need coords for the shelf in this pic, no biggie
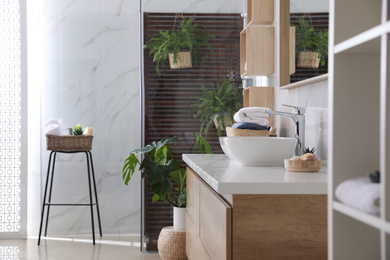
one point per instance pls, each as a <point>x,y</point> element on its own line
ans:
<point>353,239</point>
<point>363,39</point>
<point>366,218</point>
<point>260,12</point>
<point>354,17</point>
<point>306,82</point>
<point>259,51</point>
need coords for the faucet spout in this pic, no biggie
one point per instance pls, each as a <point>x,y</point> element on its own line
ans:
<point>299,122</point>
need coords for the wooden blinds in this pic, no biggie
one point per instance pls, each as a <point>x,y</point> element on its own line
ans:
<point>168,96</point>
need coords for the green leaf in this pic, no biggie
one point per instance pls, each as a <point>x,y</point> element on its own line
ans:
<point>162,188</point>
<point>203,145</point>
<point>129,168</point>
<point>155,198</point>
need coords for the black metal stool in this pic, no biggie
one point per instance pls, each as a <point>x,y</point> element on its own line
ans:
<point>48,203</point>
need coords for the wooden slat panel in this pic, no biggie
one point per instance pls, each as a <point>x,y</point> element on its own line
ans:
<point>167,96</point>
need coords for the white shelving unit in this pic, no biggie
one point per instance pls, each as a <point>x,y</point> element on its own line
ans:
<point>359,103</point>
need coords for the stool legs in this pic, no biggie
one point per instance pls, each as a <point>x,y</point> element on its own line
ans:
<point>48,203</point>
<point>44,198</point>
<point>96,197</point>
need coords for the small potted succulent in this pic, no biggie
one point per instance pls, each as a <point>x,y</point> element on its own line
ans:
<point>182,46</point>
<point>311,47</point>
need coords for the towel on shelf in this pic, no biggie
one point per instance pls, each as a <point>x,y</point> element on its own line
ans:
<point>53,127</point>
<point>360,193</point>
<point>256,115</point>
<point>249,126</point>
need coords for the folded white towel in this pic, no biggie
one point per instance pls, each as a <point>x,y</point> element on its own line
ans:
<point>360,193</point>
<point>52,129</point>
<point>256,115</point>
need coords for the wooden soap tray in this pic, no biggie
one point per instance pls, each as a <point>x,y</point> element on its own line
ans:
<point>302,166</point>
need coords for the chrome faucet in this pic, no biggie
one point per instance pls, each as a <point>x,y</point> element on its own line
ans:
<point>299,120</point>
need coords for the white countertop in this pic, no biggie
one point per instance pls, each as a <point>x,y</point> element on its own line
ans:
<point>228,177</point>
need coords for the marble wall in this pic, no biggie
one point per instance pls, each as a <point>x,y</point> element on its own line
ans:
<point>313,97</point>
<point>89,75</point>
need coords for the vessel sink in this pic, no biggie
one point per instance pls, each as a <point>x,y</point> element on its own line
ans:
<point>258,151</point>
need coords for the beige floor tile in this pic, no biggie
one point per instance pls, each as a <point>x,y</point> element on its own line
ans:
<point>74,248</point>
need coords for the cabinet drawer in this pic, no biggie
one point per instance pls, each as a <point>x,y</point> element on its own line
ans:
<point>194,247</point>
<point>193,197</point>
<point>215,224</point>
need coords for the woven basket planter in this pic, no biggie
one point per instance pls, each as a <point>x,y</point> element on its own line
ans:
<point>171,244</point>
<point>225,121</point>
<point>184,61</point>
<point>69,143</point>
<point>308,60</point>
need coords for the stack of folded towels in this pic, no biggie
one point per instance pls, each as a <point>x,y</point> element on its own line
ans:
<point>53,127</point>
<point>360,193</point>
<point>252,118</point>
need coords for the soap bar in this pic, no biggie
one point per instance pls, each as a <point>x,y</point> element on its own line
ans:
<point>88,131</point>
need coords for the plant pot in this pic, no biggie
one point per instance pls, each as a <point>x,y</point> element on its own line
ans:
<point>308,59</point>
<point>184,60</point>
<point>225,121</point>
<point>179,218</point>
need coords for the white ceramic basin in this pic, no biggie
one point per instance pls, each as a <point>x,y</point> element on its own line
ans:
<point>258,151</point>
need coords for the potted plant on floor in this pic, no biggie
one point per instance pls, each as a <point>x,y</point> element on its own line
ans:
<point>161,171</point>
<point>182,46</point>
<point>217,106</point>
<point>311,47</point>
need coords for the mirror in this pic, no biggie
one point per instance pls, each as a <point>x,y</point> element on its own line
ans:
<point>309,16</point>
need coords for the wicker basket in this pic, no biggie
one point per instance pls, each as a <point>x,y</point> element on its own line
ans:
<point>245,132</point>
<point>69,143</point>
<point>184,61</point>
<point>308,59</point>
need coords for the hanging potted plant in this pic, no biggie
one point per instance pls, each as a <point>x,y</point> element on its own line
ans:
<point>217,106</point>
<point>311,47</point>
<point>181,46</point>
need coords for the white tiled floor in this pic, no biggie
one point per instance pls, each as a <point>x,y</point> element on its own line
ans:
<point>74,248</point>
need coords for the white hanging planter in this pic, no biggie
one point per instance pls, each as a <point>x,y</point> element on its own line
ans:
<point>179,218</point>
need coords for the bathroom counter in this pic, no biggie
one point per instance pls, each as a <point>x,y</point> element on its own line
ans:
<point>227,177</point>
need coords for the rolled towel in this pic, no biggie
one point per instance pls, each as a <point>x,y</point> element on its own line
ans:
<point>53,126</point>
<point>249,126</point>
<point>256,115</point>
<point>52,121</point>
<point>52,129</point>
<point>360,193</point>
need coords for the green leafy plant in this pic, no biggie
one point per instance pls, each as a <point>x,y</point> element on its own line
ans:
<point>202,144</point>
<point>160,170</point>
<point>218,101</point>
<point>306,39</point>
<point>188,36</point>
<point>78,130</point>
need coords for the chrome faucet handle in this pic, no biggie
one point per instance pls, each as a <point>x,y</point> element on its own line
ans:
<point>298,110</point>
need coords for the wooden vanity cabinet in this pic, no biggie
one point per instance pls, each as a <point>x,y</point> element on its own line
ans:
<point>209,221</point>
<point>263,226</point>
